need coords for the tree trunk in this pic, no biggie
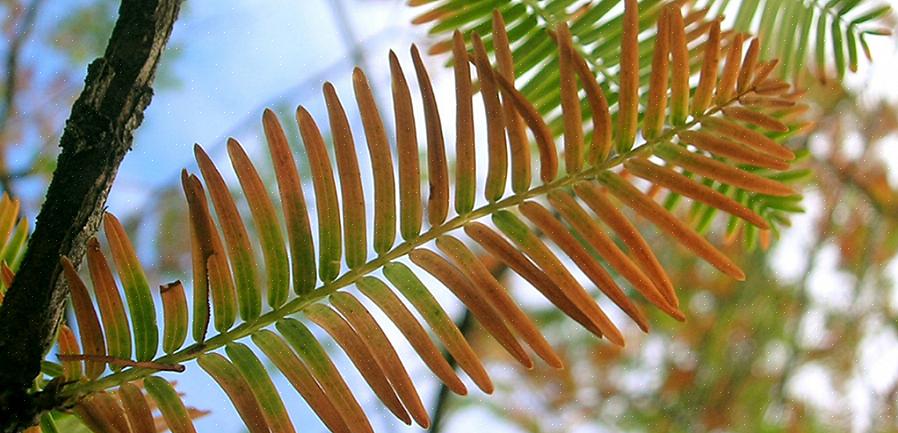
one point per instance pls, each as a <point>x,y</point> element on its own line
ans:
<point>97,135</point>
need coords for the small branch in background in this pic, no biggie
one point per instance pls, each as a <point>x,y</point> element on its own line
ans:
<point>178,368</point>
<point>441,405</point>
<point>848,174</point>
<point>465,324</point>
<point>12,62</point>
<point>355,47</point>
<point>347,32</point>
<point>98,134</point>
<point>10,85</point>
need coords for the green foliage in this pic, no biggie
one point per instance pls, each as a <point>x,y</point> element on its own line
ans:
<point>801,33</point>
<point>722,148</point>
<point>596,34</point>
<point>596,29</point>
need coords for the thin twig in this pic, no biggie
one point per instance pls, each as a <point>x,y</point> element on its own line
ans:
<point>465,324</point>
<point>12,62</point>
<point>10,85</point>
<point>356,48</point>
<point>179,368</point>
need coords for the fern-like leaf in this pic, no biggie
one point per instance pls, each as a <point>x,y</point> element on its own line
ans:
<point>723,152</point>
<point>825,36</point>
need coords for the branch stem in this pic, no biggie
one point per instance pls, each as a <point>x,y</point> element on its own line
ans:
<point>98,134</point>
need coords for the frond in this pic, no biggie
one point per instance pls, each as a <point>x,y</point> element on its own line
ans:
<point>721,149</point>
<point>826,35</point>
<point>521,34</point>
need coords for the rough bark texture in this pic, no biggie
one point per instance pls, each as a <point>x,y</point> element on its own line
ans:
<point>96,137</point>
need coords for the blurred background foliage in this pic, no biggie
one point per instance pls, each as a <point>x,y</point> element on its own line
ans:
<point>809,343</point>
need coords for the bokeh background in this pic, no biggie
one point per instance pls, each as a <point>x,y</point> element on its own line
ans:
<point>809,343</point>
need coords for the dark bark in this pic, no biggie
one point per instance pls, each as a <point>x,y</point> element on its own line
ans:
<point>96,137</point>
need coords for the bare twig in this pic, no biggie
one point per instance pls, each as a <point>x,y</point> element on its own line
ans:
<point>122,362</point>
<point>441,405</point>
<point>466,326</point>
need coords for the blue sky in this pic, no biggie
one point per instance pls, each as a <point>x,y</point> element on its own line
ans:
<point>235,61</point>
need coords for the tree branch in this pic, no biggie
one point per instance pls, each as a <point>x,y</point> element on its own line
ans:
<point>97,135</point>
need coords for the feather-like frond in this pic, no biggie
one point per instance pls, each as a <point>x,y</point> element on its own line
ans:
<point>825,37</point>
<point>720,148</point>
